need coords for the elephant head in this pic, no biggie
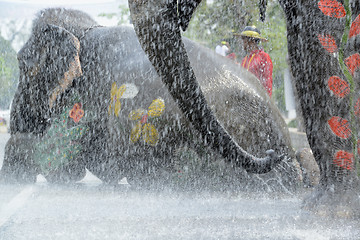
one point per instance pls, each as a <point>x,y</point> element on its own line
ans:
<point>157,25</point>
<point>49,62</point>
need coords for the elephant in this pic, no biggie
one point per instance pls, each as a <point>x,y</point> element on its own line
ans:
<point>89,98</point>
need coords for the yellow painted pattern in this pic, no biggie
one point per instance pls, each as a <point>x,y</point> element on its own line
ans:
<point>136,132</point>
<point>142,127</point>
<point>156,108</point>
<point>137,114</point>
<point>150,134</point>
<point>116,93</point>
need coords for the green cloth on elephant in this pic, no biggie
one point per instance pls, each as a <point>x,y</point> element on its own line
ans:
<point>60,143</point>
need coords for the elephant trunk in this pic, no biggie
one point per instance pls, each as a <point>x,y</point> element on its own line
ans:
<point>156,24</point>
<point>262,9</point>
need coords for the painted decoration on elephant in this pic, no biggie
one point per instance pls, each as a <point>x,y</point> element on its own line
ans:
<point>339,87</point>
<point>328,42</point>
<point>355,27</point>
<point>340,127</point>
<point>344,159</point>
<point>76,113</point>
<point>332,8</point>
<point>116,93</point>
<point>131,90</point>
<point>142,127</point>
<point>353,62</point>
<point>127,90</point>
<point>61,144</point>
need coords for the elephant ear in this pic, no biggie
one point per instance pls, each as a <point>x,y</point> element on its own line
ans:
<point>68,46</point>
<point>53,63</point>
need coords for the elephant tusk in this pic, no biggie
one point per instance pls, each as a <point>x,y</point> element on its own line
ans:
<point>156,23</point>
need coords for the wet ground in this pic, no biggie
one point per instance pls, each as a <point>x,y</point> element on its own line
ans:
<point>90,210</point>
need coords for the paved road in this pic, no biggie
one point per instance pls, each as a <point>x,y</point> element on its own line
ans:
<point>89,210</point>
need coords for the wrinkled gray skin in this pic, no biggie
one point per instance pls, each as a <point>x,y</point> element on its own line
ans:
<point>157,25</point>
<point>113,54</point>
<point>338,190</point>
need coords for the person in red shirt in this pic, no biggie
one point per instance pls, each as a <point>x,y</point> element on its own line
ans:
<point>257,61</point>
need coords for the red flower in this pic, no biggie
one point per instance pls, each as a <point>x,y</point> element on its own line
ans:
<point>76,113</point>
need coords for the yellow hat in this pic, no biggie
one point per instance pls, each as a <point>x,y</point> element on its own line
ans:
<point>251,32</point>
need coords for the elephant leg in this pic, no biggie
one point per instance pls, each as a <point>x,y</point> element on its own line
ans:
<point>18,165</point>
<point>99,157</point>
<point>144,168</point>
<point>327,95</point>
<point>73,172</point>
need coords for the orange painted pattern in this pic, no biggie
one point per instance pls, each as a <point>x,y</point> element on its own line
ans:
<point>357,108</point>
<point>339,87</point>
<point>340,127</point>
<point>76,113</point>
<point>344,159</point>
<point>328,42</point>
<point>353,62</point>
<point>332,8</point>
<point>355,27</point>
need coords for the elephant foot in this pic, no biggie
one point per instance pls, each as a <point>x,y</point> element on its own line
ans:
<point>107,170</point>
<point>17,174</point>
<point>18,166</point>
<point>334,202</point>
<point>145,176</point>
<point>67,174</point>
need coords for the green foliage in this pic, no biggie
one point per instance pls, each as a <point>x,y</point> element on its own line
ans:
<point>122,16</point>
<point>9,73</point>
<point>293,123</point>
<point>213,22</point>
<point>219,20</point>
